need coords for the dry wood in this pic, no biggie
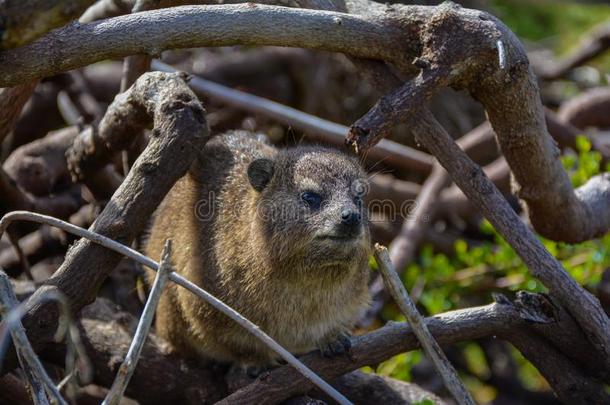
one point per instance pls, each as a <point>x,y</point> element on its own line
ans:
<point>12,100</point>
<point>594,44</point>
<point>315,128</point>
<point>589,109</point>
<point>40,382</point>
<point>583,306</point>
<point>137,344</point>
<point>509,95</point>
<point>500,319</point>
<point>180,132</point>
<point>430,346</point>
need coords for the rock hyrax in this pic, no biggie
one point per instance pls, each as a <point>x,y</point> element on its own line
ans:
<point>279,235</point>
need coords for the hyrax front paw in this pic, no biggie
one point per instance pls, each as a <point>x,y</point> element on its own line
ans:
<point>339,345</point>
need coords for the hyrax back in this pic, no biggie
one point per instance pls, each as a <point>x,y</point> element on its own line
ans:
<point>279,235</point>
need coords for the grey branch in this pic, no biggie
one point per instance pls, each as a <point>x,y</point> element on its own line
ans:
<point>391,34</point>
<point>137,344</point>
<point>316,128</point>
<point>416,321</point>
<point>583,306</point>
<point>30,363</point>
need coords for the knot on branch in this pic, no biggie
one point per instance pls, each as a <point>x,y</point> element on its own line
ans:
<point>152,99</point>
<point>537,308</point>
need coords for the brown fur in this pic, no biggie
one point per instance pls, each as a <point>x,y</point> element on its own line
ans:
<point>258,253</point>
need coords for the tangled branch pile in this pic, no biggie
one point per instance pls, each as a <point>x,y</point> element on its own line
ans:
<point>384,70</point>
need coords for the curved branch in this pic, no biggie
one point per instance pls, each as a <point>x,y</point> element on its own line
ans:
<point>597,42</point>
<point>499,319</point>
<point>589,109</point>
<point>316,129</point>
<point>470,41</point>
<point>180,124</point>
<point>197,26</point>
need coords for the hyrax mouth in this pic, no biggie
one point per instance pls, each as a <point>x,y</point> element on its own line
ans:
<point>351,237</point>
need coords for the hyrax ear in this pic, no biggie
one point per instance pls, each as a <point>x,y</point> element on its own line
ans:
<point>260,173</point>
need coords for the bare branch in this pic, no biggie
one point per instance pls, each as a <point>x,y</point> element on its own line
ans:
<point>589,109</point>
<point>376,346</point>
<point>13,198</point>
<point>596,42</point>
<point>12,100</point>
<point>152,32</point>
<point>180,131</point>
<point>583,306</point>
<point>316,128</point>
<point>135,349</point>
<point>432,349</point>
<point>30,363</point>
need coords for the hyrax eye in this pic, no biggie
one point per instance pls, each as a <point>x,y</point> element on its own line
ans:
<point>312,199</point>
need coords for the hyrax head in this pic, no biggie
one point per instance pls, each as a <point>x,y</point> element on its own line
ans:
<point>310,208</point>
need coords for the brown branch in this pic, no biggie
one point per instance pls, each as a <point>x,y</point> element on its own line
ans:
<point>61,205</point>
<point>403,247</point>
<point>481,191</point>
<point>500,319</point>
<point>596,42</point>
<point>40,166</point>
<point>12,100</point>
<point>471,42</point>
<point>169,378</point>
<point>195,26</point>
<point>315,128</point>
<point>162,377</point>
<point>400,295</point>
<point>589,109</point>
<point>23,22</point>
<point>179,133</point>
<point>44,242</point>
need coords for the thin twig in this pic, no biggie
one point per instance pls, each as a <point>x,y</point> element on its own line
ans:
<point>137,344</point>
<point>30,363</point>
<point>429,344</point>
<point>315,128</point>
<point>178,279</point>
<point>23,260</point>
<point>66,323</point>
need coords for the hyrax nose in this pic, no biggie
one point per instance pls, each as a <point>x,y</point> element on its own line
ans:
<point>350,218</point>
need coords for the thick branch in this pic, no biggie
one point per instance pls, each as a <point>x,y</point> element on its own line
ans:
<point>40,166</point>
<point>180,132</point>
<point>315,128</point>
<point>470,59</point>
<point>198,26</point>
<point>589,109</point>
<point>394,338</point>
<point>481,191</point>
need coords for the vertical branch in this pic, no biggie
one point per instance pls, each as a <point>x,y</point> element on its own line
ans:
<point>135,350</point>
<point>12,100</point>
<point>583,306</point>
<point>429,344</point>
<point>30,363</point>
